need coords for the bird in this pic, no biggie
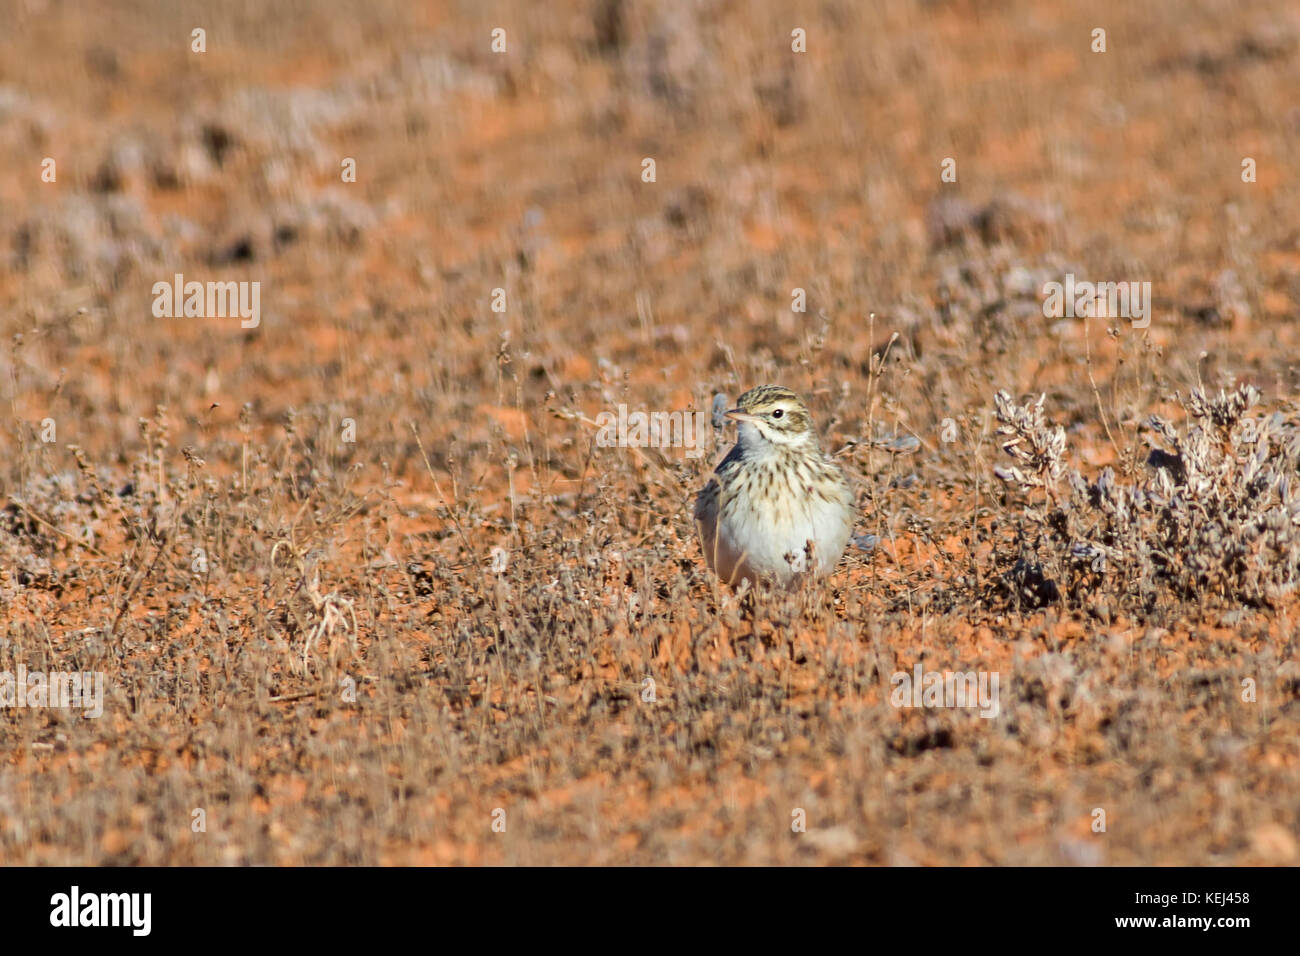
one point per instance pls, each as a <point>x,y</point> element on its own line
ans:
<point>776,508</point>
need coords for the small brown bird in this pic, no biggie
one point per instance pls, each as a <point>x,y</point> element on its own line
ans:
<point>777,507</point>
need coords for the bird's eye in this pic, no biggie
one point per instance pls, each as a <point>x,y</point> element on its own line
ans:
<point>778,413</point>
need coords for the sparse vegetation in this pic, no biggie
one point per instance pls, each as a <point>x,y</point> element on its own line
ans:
<point>1217,518</point>
<point>360,576</point>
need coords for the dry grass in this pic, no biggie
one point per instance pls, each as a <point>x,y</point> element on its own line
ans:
<point>313,638</point>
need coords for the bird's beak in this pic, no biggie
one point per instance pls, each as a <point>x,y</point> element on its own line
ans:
<point>740,415</point>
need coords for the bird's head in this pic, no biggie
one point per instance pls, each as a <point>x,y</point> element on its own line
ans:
<point>775,414</point>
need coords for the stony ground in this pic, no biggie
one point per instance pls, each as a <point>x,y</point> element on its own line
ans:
<point>364,588</point>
